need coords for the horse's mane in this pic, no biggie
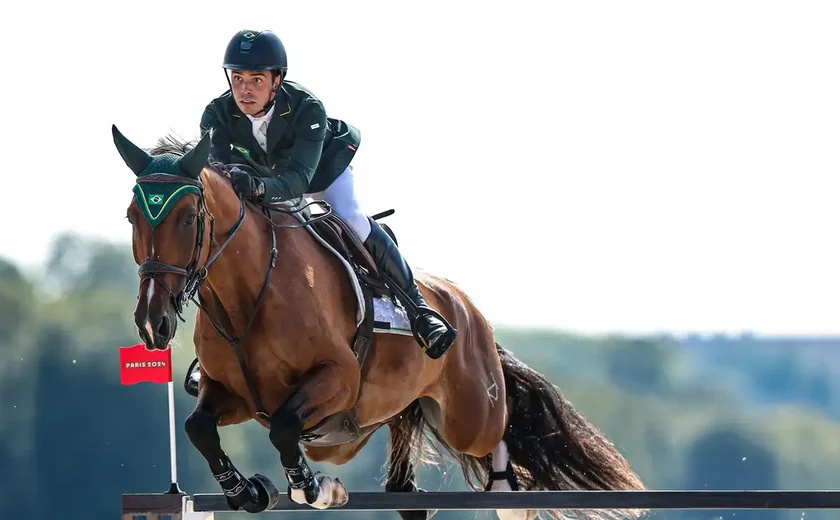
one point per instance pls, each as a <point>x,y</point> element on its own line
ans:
<point>177,146</point>
<point>172,144</point>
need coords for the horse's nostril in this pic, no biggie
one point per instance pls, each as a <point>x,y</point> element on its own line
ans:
<point>163,328</point>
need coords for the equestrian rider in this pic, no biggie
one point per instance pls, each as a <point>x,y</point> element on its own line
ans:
<point>279,125</point>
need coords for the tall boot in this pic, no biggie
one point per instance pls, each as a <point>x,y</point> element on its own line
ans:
<point>432,328</point>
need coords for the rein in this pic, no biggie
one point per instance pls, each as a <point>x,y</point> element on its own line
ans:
<point>195,277</point>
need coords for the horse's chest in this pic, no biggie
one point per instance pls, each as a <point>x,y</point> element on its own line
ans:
<point>221,365</point>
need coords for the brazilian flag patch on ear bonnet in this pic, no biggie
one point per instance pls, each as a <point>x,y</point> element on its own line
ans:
<point>156,199</point>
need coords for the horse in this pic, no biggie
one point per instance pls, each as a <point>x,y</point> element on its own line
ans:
<point>296,330</point>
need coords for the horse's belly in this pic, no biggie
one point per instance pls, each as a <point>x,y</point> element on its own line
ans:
<point>394,380</point>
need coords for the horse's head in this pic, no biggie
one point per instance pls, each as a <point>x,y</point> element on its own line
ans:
<point>168,215</point>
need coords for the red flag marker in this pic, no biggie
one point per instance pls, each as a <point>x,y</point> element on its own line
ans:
<point>138,365</point>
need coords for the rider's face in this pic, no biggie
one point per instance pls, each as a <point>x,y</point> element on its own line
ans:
<point>252,89</point>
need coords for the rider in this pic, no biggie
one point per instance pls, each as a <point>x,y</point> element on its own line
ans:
<point>282,127</point>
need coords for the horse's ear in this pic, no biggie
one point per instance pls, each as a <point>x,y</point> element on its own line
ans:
<point>193,161</point>
<point>136,158</point>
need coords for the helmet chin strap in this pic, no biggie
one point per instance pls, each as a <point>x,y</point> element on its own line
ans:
<point>268,105</point>
<point>271,98</point>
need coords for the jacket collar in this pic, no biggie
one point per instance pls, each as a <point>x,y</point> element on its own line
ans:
<point>280,118</point>
<point>243,129</point>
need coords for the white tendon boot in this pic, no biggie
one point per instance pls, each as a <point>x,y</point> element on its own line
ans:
<point>500,481</point>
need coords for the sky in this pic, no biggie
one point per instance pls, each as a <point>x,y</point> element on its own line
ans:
<point>599,166</point>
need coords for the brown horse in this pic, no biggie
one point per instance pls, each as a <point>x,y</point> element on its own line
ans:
<point>297,331</point>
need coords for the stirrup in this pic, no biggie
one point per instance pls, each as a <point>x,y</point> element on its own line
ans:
<point>190,382</point>
<point>415,310</point>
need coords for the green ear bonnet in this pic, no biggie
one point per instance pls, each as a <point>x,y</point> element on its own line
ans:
<point>156,196</point>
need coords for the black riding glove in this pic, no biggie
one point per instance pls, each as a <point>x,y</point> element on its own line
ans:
<point>249,187</point>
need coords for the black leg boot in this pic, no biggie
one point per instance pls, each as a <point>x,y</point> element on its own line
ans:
<point>432,328</point>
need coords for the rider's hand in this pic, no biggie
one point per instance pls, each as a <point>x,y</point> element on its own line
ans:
<point>246,185</point>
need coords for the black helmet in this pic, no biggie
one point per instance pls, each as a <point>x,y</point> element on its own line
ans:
<point>255,50</point>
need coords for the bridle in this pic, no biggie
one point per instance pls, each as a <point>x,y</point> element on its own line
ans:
<point>194,276</point>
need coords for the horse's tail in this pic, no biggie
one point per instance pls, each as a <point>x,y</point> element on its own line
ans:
<point>552,446</point>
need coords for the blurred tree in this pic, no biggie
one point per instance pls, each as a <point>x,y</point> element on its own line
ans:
<point>727,458</point>
<point>69,426</point>
<point>641,364</point>
<point>17,300</point>
<point>81,265</point>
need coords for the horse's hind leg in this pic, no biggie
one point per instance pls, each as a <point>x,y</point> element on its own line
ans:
<point>503,478</point>
<point>217,407</point>
<point>404,435</point>
<point>470,414</point>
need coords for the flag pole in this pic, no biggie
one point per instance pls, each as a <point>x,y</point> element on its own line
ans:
<point>140,363</point>
<point>173,460</point>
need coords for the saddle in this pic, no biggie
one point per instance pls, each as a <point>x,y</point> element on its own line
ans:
<point>345,241</point>
<point>336,235</point>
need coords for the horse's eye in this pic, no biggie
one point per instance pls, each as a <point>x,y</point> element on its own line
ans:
<point>190,220</point>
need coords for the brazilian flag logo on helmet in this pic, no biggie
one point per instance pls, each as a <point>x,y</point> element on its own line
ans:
<point>247,41</point>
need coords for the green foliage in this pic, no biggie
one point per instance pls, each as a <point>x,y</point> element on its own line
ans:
<point>743,414</point>
<point>16,302</point>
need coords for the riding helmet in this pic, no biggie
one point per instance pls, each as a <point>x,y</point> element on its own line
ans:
<point>255,50</point>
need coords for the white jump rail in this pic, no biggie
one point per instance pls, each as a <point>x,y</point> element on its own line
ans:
<point>157,506</point>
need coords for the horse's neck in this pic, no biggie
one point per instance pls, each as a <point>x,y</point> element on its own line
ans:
<point>240,270</point>
<point>306,279</point>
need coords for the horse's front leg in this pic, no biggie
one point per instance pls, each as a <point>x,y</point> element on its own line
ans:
<point>322,392</point>
<point>218,407</point>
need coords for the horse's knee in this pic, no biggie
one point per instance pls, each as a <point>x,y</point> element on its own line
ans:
<point>201,428</point>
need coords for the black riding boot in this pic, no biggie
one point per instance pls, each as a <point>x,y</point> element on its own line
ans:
<point>437,335</point>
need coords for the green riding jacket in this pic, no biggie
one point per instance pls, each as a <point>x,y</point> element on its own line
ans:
<point>306,149</point>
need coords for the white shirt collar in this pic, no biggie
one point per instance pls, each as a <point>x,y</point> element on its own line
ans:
<point>257,127</point>
<point>267,117</point>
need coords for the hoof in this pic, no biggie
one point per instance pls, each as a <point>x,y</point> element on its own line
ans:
<point>265,494</point>
<point>516,514</point>
<point>332,493</point>
<point>414,515</point>
<point>326,492</point>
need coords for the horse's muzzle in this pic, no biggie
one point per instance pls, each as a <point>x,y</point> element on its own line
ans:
<point>156,331</point>
<point>155,318</point>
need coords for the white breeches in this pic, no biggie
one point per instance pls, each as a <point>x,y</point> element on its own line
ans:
<point>341,195</point>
